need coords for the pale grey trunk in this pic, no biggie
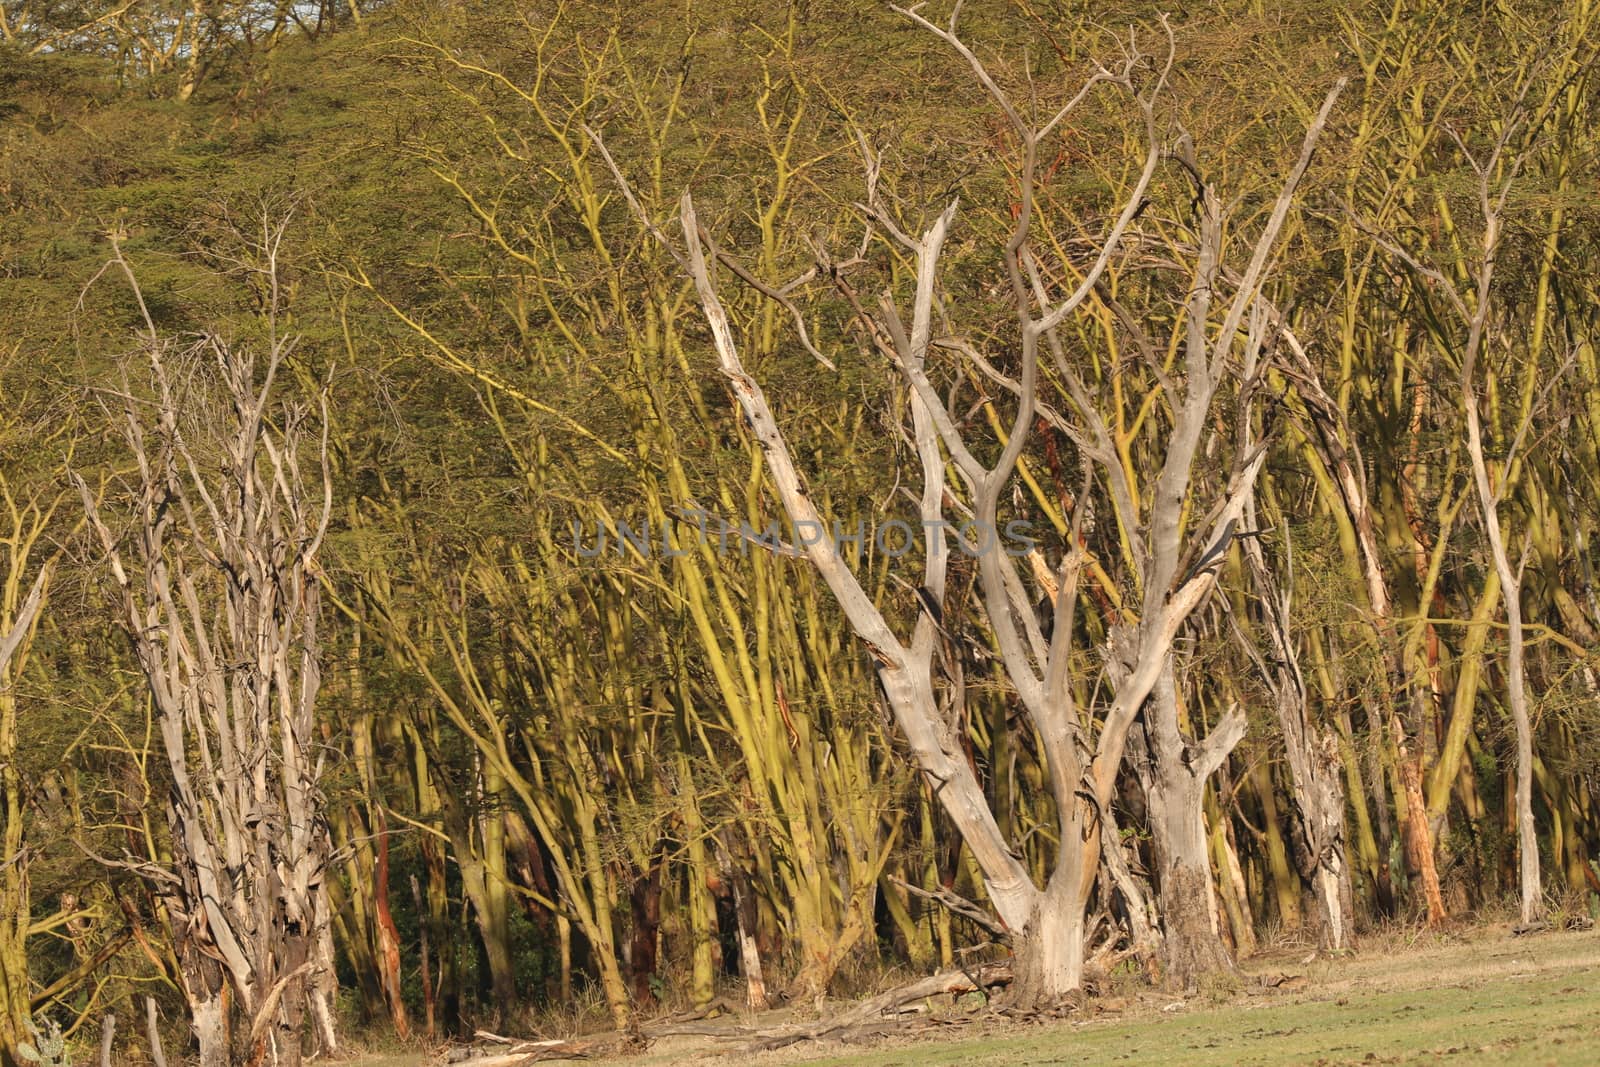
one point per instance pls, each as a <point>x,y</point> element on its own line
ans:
<point>1175,774</point>
<point>1532,892</point>
<point>1337,902</point>
<point>152,1029</point>
<point>324,986</point>
<point>1050,949</point>
<point>1048,923</point>
<point>108,1034</point>
<point>222,609</point>
<point>1323,809</point>
<point>208,1021</point>
<point>1191,944</point>
<point>1490,496</point>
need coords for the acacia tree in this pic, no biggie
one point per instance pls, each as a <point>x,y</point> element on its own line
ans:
<point>1460,286</point>
<point>182,39</point>
<point>20,605</point>
<point>1476,316</point>
<point>219,597</point>
<point>32,500</point>
<point>1083,760</point>
<point>778,774</point>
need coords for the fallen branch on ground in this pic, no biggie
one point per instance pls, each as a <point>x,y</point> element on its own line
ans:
<point>870,1013</point>
<point>520,1053</point>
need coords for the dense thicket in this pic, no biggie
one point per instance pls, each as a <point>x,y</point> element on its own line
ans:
<point>588,737</point>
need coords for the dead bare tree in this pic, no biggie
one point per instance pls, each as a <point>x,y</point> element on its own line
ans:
<point>1340,453</point>
<point>1083,747</point>
<point>1316,791</point>
<point>217,581</point>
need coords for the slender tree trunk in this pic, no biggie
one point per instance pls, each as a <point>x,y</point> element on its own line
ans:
<point>324,984</point>
<point>645,898</point>
<point>152,1031</point>
<point>388,949</point>
<point>1415,831</point>
<point>745,914</point>
<point>425,951</point>
<point>564,938</point>
<point>1531,889</point>
<point>1489,498</point>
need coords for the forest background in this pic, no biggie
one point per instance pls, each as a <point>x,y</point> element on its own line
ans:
<point>334,334</point>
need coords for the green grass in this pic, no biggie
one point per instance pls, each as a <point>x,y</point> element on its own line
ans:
<point>1519,1020</point>
<point>1483,998</point>
<point>1492,1000</point>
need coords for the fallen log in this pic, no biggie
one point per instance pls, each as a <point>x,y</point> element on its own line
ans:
<point>519,1053</point>
<point>869,1013</point>
<point>696,1029</point>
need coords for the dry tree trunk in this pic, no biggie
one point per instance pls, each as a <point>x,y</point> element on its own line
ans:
<point>1316,795</point>
<point>152,1030</point>
<point>1530,890</point>
<point>874,1009</point>
<point>108,1034</point>
<point>1175,777</point>
<point>755,985</point>
<point>1329,438</point>
<point>219,596</point>
<point>1083,761</point>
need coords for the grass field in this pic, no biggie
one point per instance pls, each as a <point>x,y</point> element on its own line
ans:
<point>1478,998</point>
<point>1505,1004</point>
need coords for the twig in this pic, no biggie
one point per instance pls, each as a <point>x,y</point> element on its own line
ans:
<point>158,1054</point>
<point>108,1032</point>
<point>959,905</point>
